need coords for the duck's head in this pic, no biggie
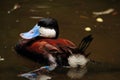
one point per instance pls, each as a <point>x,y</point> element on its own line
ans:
<point>46,28</point>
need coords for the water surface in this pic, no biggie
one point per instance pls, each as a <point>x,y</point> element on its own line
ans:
<point>73,17</point>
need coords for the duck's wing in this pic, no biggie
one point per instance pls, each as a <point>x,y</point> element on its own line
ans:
<point>52,46</point>
<point>65,46</point>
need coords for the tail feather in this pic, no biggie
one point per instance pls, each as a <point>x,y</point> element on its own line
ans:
<point>85,43</point>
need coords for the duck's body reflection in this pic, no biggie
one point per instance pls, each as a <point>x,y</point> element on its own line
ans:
<point>71,73</point>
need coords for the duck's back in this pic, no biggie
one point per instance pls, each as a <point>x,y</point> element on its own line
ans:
<point>44,46</point>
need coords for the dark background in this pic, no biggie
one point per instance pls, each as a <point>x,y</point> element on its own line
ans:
<point>73,16</point>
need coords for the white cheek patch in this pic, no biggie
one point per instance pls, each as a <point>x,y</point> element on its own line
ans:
<point>46,32</point>
<point>77,59</point>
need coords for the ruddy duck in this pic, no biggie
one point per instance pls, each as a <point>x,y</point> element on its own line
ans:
<point>42,44</point>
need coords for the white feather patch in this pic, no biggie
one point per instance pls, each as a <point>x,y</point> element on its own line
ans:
<point>77,59</point>
<point>46,32</point>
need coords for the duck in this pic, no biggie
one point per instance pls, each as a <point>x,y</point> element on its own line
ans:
<point>43,45</point>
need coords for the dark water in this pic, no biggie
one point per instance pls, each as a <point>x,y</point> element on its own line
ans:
<point>73,16</point>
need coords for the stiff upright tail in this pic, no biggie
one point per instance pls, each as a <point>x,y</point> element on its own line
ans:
<point>85,43</point>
